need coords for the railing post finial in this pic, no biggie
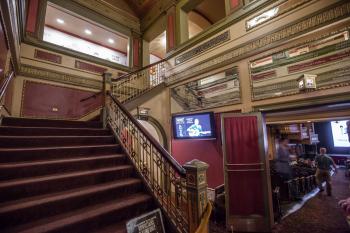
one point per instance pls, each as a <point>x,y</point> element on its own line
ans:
<point>196,180</point>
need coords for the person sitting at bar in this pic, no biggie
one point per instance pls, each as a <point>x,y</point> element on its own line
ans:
<point>324,164</point>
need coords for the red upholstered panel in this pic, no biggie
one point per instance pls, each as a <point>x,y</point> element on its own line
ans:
<point>39,99</point>
<point>32,15</point>
<point>245,187</point>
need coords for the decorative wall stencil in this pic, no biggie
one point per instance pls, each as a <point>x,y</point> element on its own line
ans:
<point>89,67</point>
<point>51,57</point>
<point>203,47</point>
<point>216,90</point>
<point>55,76</point>
<point>274,12</point>
<point>335,13</point>
<point>307,56</point>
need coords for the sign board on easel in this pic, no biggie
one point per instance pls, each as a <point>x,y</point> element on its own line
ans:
<point>151,222</point>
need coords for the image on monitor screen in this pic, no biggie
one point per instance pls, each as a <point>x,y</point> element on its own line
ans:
<point>193,126</point>
<point>339,132</point>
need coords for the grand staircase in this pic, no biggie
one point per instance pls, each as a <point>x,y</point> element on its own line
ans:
<point>66,176</point>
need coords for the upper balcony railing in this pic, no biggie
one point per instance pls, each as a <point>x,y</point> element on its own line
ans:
<point>136,83</point>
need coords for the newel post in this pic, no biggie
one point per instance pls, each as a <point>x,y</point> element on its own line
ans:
<point>196,180</point>
<point>107,85</point>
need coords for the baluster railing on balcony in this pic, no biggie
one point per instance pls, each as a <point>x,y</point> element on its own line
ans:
<point>181,191</point>
<point>134,84</point>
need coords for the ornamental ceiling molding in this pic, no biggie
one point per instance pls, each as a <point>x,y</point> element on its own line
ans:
<point>112,12</point>
<point>331,14</point>
<point>54,76</point>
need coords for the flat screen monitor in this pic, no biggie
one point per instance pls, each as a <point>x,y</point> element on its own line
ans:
<point>194,126</point>
<point>339,132</point>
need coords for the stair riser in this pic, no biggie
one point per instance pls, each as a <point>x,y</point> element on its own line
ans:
<point>57,185</point>
<point>41,170</point>
<point>4,131</point>
<point>49,123</point>
<point>55,153</point>
<point>106,219</point>
<point>46,142</point>
<point>22,216</point>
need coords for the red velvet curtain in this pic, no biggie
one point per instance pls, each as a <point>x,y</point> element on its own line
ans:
<point>242,157</point>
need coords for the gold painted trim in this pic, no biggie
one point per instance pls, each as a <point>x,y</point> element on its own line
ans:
<point>60,77</point>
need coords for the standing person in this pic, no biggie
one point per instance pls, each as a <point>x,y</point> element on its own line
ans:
<point>324,164</point>
<point>283,159</point>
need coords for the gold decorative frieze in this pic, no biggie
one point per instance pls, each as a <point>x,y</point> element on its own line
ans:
<point>203,47</point>
<point>45,74</point>
<point>337,12</point>
<point>274,12</point>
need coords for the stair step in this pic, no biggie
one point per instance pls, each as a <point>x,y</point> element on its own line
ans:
<point>10,155</point>
<point>22,188</point>
<point>40,168</point>
<point>51,131</point>
<point>89,218</point>
<point>35,141</point>
<point>119,227</point>
<point>31,209</point>
<point>27,122</point>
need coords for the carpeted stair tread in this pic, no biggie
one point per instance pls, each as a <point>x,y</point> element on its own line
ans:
<point>51,131</point>
<point>42,199</point>
<point>119,227</point>
<point>35,141</point>
<point>6,184</point>
<point>8,155</point>
<point>24,122</point>
<point>88,214</point>
<point>43,167</point>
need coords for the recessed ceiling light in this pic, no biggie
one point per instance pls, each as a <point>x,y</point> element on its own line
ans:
<point>87,31</point>
<point>111,41</point>
<point>60,21</point>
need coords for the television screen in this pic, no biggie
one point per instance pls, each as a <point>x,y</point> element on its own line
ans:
<point>194,126</point>
<point>340,136</point>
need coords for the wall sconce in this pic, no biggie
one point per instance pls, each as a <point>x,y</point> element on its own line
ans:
<point>307,82</point>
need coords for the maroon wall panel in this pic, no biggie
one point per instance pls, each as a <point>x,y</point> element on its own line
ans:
<point>3,50</point>
<point>40,99</point>
<point>43,55</point>
<point>136,48</point>
<point>32,15</point>
<point>171,31</point>
<point>204,150</point>
<point>89,67</point>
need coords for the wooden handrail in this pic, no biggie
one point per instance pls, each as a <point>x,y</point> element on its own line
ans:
<point>125,76</point>
<point>5,85</point>
<point>91,96</point>
<point>177,167</point>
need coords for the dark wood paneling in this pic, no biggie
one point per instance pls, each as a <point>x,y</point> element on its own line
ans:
<point>3,49</point>
<point>41,100</point>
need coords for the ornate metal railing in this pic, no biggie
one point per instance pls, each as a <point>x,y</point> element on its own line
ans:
<point>181,191</point>
<point>134,84</point>
<point>164,176</point>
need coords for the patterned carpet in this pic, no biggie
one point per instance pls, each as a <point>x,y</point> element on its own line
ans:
<point>321,214</point>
